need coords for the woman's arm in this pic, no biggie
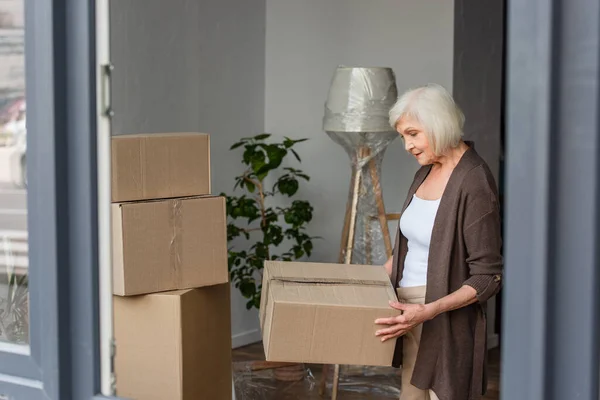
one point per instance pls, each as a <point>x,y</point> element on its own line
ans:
<point>463,297</point>
<point>415,314</point>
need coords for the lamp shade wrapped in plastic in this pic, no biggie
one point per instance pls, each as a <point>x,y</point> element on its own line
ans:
<point>359,100</point>
<point>356,118</point>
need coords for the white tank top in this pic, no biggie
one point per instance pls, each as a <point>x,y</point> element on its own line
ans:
<point>416,225</point>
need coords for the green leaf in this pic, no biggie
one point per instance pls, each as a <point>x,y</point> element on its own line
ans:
<point>271,216</point>
<point>299,213</point>
<point>308,246</point>
<point>298,173</point>
<point>261,250</point>
<point>232,232</point>
<point>276,155</point>
<point>298,252</point>
<point>247,288</point>
<point>257,160</point>
<point>296,155</point>
<point>288,142</point>
<point>274,234</point>
<point>287,185</point>
<point>251,187</point>
<point>250,154</point>
<point>262,176</point>
<point>264,170</point>
<point>262,136</point>
<point>236,145</point>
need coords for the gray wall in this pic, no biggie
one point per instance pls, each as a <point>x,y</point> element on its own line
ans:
<point>191,65</point>
<point>306,40</point>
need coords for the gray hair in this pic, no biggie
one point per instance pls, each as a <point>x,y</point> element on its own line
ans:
<point>436,110</point>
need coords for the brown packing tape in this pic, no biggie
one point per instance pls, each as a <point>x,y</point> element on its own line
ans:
<point>330,281</point>
<point>176,245</point>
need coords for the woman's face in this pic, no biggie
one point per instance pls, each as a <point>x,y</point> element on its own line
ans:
<point>415,140</point>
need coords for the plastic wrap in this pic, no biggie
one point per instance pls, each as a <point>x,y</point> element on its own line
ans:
<point>359,100</point>
<point>355,383</point>
<point>356,118</point>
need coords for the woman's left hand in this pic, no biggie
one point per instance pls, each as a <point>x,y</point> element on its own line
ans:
<point>412,315</point>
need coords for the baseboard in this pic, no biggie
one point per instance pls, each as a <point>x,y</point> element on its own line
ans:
<point>493,341</point>
<point>245,338</point>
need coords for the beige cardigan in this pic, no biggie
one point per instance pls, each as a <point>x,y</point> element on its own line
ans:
<point>465,250</point>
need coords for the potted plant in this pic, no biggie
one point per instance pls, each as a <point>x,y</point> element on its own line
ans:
<point>272,230</point>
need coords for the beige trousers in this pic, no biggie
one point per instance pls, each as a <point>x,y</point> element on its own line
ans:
<point>412,339</point>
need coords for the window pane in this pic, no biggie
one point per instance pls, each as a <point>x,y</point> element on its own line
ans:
<point>14,310</point>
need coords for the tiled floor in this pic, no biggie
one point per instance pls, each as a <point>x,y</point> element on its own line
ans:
<point>355,383</point>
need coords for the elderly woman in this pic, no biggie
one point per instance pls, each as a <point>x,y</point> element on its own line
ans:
<point>447,259</point>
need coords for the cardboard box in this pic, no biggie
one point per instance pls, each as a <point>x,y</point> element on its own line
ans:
<point>160,165</point>
<point>174,345</point>
<point>169,244</point>
<point>325,313</point>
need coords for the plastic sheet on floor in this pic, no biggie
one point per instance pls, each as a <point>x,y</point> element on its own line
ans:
<point>355,382</point>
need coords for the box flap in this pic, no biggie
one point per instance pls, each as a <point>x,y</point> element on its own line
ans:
<point>306,272</point>
<point>176,293</point>
<point>323,284</point>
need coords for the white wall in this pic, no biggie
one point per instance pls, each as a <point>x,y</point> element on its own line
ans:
<point>305,42</point>
<point>193,65</point>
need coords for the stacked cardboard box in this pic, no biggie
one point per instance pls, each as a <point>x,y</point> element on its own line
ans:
<point>170,278</point>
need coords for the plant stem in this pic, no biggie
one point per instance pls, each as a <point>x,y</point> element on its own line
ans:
<point>261,202</point>
<point>263,213</point>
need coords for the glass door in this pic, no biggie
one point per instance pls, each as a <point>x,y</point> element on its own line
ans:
<point>51,279</point>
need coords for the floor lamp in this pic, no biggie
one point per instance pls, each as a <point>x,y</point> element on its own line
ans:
<point>356,118</point>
